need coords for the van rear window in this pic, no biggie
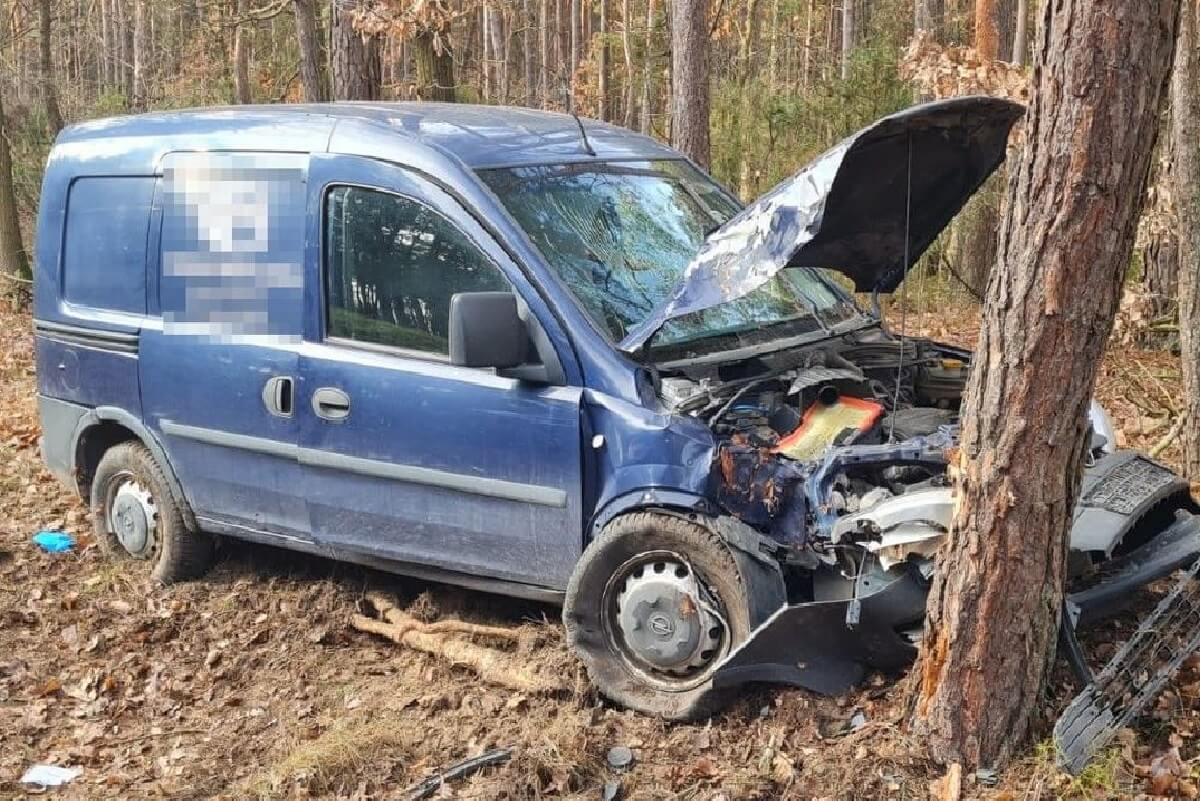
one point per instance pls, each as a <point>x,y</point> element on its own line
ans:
<point>104,259</point>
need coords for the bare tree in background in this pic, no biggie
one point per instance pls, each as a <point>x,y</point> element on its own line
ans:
<point>241,54</point>
<point>308,39</point>
<point>14,265</point>
<point>54,121</point>
<point>848,25</point>
<point>357,70</point>
<point>689,79</point>
<point>928,15</point>
<point>137,79</point>
<point>1073,202</point>
<point>1185,169</point>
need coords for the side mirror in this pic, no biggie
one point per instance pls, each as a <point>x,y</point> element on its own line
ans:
<point>486,330</point>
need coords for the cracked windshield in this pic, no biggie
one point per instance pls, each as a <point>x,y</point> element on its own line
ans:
<point>620,235</point>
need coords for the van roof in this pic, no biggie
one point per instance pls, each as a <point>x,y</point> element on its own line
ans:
<point>479,136</point>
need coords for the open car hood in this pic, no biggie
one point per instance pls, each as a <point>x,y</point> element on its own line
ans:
<point>848,209</point>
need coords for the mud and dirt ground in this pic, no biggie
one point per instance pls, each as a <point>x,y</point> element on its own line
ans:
<point>252,684</point>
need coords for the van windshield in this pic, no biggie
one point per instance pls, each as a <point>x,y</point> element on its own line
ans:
<point>619,235</point>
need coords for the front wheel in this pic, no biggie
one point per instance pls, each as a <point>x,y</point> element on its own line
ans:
<point>654,605</point>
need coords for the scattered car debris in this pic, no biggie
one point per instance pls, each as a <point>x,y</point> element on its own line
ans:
<point>620,757</point>
<point>459,770</point>
<point>54,541</point>
<point>611,792</point>
<point>50,775</point>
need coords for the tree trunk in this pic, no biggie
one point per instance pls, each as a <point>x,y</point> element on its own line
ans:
<point>929,15</point>
<point>1073,203</point>
<point>627,47</point>
<point>987,29</point>
<point>241,56</point>
<point>847,36</point>
<point>1185,131</point>
<point>54,121</point>
<point>576,23</point>
<point>544,49</point>
<point>308,39</point>
<point>602,68</point>
<point>689,79</point>
<point>13,261</point>
<point>357,71</point>
<point>526,53</point>
<point>435,71</point>
<point>647,72</point>
<point>1021,35</point>
<point>138,81</point>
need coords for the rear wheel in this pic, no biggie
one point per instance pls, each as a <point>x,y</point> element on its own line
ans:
<point>135,516</point>
<point>654,605</point>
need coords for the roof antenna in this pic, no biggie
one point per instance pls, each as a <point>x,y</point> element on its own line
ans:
<point>587,146</point>
<point>903,294</point>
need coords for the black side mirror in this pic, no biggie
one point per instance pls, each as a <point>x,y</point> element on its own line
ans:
<point>486,330</point>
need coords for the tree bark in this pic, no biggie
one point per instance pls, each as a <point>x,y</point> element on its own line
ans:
<point>1185,131</point>
<point>308,39</point>
<point>627,48</point>
<point>647,73</point>
<point>576,48</point>
<point>138,73</point>
<point>689,79</point>
<point>13,261</point>
<point>435,71</point>
<point>1073,203</point>
<point>544,49</point>
<point>602,106</point>
<point>1021,35</point>
<point>241,56</point>
<point>357,71</point>
<point>54,121</point>
<point>987,29</point>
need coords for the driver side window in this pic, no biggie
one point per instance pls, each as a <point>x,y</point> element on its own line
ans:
<point>391,266</point>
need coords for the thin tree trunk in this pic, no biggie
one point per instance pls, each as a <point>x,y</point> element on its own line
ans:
<point>847,36</point>
<point>1021,37</point>
<point>627,47</point>
<point>526,53</point>
<point>808,41</point>
<point>987,29</point>
<point>357,69</point>
<point>544,49</point>
<point>647,72</point>
<point>1073,204</point>
<point>928,15</point>
<point>241,56</point>
<point>1185,131</point>
<point>308,39</point>
<point>54,120</point>
<point>773,50</point>
<point>106,48</point>
<point>139,54</point>
<point>689,79</point>
<point>603,66</point>
<point>576,47</point>
<point>13,261</point>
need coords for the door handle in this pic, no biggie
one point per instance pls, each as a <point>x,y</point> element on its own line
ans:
<point>277,395</point>
<point>330,403</point>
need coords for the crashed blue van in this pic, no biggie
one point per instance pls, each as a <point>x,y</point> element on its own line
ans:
<point>546,357</point>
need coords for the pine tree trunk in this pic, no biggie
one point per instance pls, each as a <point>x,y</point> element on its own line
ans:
<point>1021,35</point>
<point>1073,203</point>
<point>689,79</point>
<point>647,74</point>
<point>526,53</point>
<point>54,120</point>
<point>308,39</point>
<point>602,68</point>
<point>13,261</point>
<point>241,56</point>
<point>357,71</point>
<point>847,36</point>
<point>576,47</point>
<point>1185,131</point>
<point>435,71</point>
<point>138,73</point>
<point>627,47</point>
<point>544,50</point>
<point>987,29</point>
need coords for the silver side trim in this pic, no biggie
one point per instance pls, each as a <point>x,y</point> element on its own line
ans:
<point>474,485</point>
<point>117,341</point>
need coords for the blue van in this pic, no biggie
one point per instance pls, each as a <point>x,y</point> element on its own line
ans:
<point>542,356</point>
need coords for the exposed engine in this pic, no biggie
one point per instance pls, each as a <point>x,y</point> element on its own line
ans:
<point>839,452</point>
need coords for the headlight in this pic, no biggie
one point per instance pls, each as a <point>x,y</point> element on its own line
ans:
<point>1102,426</point>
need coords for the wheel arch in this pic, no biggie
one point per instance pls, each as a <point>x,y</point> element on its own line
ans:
<point>105,426</point>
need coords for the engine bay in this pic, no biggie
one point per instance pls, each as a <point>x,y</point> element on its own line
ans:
<point>838,451</point>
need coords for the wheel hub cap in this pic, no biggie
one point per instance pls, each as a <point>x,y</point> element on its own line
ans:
<point>133,518</point>
<point>664,619</point>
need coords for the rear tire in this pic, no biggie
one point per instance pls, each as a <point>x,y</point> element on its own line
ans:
<point>136,517</point>
<point>734,593</point>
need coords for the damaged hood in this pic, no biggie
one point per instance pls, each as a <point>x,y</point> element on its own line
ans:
<point>848,210</point>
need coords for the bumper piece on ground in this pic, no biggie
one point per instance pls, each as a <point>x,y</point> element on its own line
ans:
<point>1129,683</point>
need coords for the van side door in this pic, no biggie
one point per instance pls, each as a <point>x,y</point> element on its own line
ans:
<point>218,374</point>
<point>406,456</point>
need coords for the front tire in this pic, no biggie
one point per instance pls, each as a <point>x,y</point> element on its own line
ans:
<point>654,605</point>
<point>136,518</point>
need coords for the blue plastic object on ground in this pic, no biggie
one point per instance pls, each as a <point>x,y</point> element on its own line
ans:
<point>54,541</point>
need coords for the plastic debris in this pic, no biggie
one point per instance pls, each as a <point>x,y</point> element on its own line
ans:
<point>620,757</point>
<point>54,541</point>
<point>49,775</point>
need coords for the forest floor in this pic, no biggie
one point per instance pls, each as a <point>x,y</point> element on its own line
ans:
<point>252,684</point>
